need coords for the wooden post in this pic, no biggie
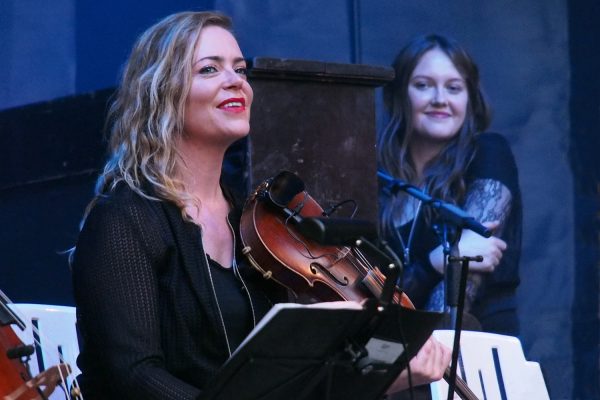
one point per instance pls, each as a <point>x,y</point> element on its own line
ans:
<point>317,119</point>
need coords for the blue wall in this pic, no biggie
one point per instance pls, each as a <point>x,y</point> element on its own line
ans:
<point>523,51</point>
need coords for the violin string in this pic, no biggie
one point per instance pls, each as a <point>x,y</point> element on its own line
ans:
<point>356,262</point>
<point>38,342</point>
<point>362,260</point>
<point>296,211</point>
<point>308,253</point>
<point>61,359</point>
<point>365,263</point>
<point>355,257</point>
<point>337,257</point>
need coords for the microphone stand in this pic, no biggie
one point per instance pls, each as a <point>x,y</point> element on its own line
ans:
<point>456,270</point>
<point>455,267</point>
<point>449,239</point>
<point>448,212</point>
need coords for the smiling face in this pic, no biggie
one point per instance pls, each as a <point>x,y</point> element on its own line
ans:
<point>439,97</point>
<point>217,109</point>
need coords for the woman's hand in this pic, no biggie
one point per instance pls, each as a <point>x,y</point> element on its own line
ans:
<point>472,244</point>
<point>427,366</point>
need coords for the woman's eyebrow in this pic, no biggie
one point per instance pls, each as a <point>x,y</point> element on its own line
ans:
<point>218,59</point>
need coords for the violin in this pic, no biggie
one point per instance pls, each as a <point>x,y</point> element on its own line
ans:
<point>309,270</point>
<point>312,272</point>
<point>16,381</point>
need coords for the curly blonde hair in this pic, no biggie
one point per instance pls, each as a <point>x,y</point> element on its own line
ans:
<point>147,113</point>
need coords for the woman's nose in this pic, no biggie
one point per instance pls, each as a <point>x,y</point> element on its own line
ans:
<point>233,79</point>
<point>439,97</point>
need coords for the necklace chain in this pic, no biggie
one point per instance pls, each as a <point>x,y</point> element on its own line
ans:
<point>406,247</point>
<point>237,274</point>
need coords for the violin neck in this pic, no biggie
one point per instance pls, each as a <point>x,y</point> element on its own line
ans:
<point>7,315</point>
<point>461,389</point>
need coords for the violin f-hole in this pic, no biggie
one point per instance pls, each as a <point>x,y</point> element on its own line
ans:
<point>315,268</point>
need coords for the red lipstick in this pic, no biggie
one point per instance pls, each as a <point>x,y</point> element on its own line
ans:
<point>234,104</point>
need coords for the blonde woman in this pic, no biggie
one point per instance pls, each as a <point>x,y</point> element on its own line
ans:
<point>160,299</point>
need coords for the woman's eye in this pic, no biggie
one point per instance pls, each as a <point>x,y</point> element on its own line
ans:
<point>421,85</point>
<point>242,71</point>
<point>209,69</point>
<point>455,88</point>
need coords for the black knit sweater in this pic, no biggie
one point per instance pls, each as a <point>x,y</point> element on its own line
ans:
<point>151,311</point>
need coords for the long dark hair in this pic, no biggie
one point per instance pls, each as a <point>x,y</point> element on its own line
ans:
<point>443,177</point>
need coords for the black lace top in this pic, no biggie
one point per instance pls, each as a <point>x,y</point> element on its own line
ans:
<point>492,194</point>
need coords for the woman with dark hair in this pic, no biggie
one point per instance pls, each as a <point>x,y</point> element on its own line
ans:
<point>162,291</point>
<point>436,140</point>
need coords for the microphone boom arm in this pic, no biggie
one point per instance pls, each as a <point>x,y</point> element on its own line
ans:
<point>447,211</point>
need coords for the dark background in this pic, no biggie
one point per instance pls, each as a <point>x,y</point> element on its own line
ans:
<point>539,63</point>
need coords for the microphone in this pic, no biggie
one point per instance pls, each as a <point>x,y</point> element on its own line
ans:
<point>337,231</point>
<point>447,211</point>
<point>460,218</point>
<point>392,184</point>
<point>327,231</point>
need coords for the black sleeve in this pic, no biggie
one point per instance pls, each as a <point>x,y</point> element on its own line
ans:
<point>494,160</point>
<point>115,267</point>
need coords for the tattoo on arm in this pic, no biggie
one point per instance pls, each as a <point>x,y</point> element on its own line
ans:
<point>489,200</point>
<point>486,200</point>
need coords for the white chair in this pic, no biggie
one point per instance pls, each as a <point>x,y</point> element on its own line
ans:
<point>56,337</point>
<point>494,367</point>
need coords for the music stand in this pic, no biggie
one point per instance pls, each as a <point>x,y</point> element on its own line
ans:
<point>315,352</point>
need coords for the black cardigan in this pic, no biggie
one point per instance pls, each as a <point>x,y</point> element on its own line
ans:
<point>147,313</point>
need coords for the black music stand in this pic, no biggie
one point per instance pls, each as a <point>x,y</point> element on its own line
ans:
<point>307,352</point>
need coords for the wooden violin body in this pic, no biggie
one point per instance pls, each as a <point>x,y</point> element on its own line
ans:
<point>13,373</point>
<point>311,271</point>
